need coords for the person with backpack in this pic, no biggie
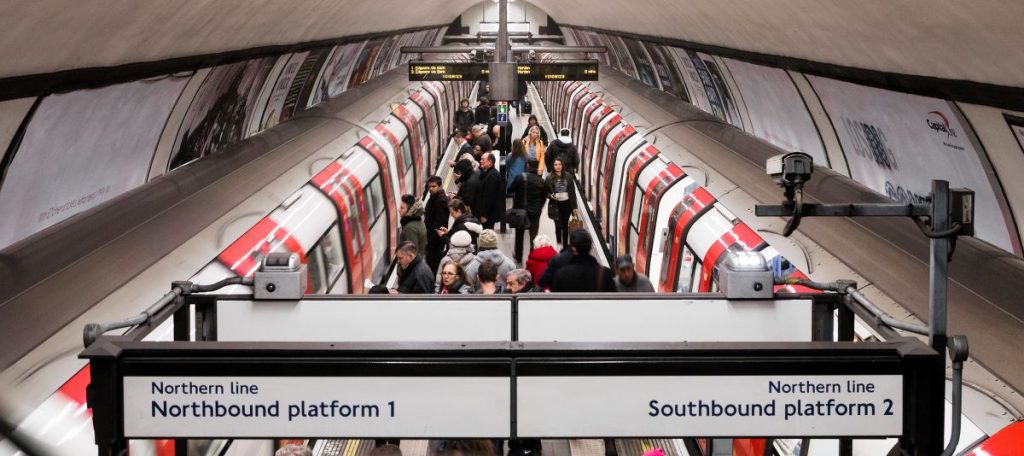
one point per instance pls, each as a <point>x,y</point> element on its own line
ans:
<point>562,148</point>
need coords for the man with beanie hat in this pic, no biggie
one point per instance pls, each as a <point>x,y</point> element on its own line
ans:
<point>627,280</point>
<point>488,244</point>
<point>583,274</point>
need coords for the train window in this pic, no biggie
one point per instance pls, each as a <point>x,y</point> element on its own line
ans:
<point>424,139</point>
<point>686,269</point>
<point>638,196</point>
<point>375,197</point>
<point>694,281</point>
<point>406,154</point>
<point>331,246</point>
<point>315,272</point>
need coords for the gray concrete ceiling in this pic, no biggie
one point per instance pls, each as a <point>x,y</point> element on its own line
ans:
<point>976,40</point>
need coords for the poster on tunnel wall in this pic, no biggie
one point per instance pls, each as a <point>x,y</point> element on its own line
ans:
<point>777,111</point>
<point>82,149</point>
<point>364,63</point>
<point>644,69</point>
<point>896,143</point>
<point>336,73</point>
<point>718,87</point>
<point>1016,125</point>
<point>688,70</point>
<point>293,85</point>
<point>668,74</point>
<point>220,110</point>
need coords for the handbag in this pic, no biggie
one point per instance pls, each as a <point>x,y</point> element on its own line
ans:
<point>518,218</point>
<point>575,222</point>
<point>552,210</point>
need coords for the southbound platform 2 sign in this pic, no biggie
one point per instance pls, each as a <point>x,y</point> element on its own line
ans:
<point>316,406</point>
<point>719,406</point>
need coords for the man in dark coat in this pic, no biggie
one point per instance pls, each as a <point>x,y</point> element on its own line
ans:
<point>414,275</point>
<point>563,148</point>
<point>529,191</point>
<point>483,112</point>
<point>435,215</point>
<point>490,206</point>
<point>469,184</point>
<point>557,262</point>
<point>464,117</point>
<point>583,274</point>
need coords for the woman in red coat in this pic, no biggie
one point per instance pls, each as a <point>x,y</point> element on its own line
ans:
<point>539,256</point>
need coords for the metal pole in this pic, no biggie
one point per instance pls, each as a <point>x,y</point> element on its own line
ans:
<point>501,45</point>
<point>939,271</point>
<point>937,299</point>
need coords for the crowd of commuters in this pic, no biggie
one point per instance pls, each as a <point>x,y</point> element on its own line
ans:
<point>448,244</point>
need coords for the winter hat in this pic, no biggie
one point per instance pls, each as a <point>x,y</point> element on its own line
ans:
<point>564,136</point>
<point>488,240</point>
<point>461,239</point>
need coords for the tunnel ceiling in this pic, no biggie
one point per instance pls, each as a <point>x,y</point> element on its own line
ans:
<point>978,41</point>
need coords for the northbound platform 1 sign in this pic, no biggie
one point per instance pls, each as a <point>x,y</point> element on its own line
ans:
<point>270,407</point>
<point>703,406</point>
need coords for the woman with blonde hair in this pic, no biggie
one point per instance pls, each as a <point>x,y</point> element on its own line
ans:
<point>535,147</point>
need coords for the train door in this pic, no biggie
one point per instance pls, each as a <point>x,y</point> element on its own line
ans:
<point>598,111</point>
<point>387,183</point>
<point>411,145</point>
<point>572,109</point>
<point>667,179</point>
<point>428,127</point>
<point>681,267</point>
<point>624,147</point>
<point>604,125</point>
<point>586,133</point>
<point>658,232</point>
<point>578,119</point>
<point>613,141</point>
<point>621,215</point>
<point>335,181</point>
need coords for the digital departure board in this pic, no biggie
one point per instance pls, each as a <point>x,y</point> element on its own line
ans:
<point>444,71</point>
<point>557,71</point>
<point>476,71</point>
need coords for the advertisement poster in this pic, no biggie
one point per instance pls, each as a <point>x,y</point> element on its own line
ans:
<point>275,111</point>
<point>1017,127</point>
<point>645,70</point>
<point>777,112</point>
<point>692,79</point>
<point>220,111</point>
<point>619,48</point>
<point>364,63</point>
<point>896,143</point>
<point>82,149</point>
<point>668,75</point>
<point>336,72</point>
<point>720,89</point>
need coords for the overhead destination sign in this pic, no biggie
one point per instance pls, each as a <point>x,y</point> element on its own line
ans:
<point>265,407</point>
<point>557,71</point>
<point>549,71</point>
<point>443,71</point>
<point>702,406</point>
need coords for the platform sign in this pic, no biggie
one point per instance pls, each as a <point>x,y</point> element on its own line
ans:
<point>710,406</point>
<point>444,71</point>
<point>267,407</point>
<point>502,111</point>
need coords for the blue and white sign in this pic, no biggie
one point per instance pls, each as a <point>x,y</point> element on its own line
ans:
<point>240,407</point>
<point>719,406</point>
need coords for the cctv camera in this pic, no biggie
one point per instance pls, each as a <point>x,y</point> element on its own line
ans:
<point>790,168</point>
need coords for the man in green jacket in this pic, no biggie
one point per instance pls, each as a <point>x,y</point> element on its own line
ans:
<point>413,228</point>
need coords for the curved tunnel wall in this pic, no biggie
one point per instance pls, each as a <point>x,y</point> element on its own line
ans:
<point>891,142</point>
<point>74,151</point>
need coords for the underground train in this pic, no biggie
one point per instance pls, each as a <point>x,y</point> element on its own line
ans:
<point>673,227</point>
<point>342,223</point>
